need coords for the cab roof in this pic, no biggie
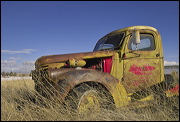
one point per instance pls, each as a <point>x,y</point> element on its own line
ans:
<point>132,28</point>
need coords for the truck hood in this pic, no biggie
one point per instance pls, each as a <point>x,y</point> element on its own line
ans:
<point>65,57</point>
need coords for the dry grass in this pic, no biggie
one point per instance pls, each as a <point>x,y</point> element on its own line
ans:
<point>20,102</point>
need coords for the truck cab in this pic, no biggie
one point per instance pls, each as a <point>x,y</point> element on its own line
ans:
<point>136,65</point>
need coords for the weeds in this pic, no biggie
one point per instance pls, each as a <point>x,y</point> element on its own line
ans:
<point>20,102</point>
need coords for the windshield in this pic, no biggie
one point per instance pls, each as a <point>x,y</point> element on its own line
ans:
<point>109,42</point>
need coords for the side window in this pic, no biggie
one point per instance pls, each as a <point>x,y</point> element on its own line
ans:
<point>147,43</point>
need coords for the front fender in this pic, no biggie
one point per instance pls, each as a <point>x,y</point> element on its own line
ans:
<point>70,79</point>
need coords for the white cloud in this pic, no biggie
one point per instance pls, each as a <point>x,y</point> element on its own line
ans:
<point>27,66</point>
<point>29,62</point>
<point>14,58</point>
<point>167,63</point>
<point>27,51</point>
<point>8,63</point>
<point>12,65</point>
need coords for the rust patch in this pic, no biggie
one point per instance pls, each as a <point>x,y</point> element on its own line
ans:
<point>65,57</point>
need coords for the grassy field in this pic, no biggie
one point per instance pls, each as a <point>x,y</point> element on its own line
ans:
<point>20,102</point>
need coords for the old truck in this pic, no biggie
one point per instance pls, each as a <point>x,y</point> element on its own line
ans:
<point>125,67</point>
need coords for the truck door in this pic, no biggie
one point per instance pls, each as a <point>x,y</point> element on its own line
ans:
<point>141,63</point>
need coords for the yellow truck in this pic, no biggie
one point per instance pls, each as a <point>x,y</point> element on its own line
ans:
<point>125,67</point>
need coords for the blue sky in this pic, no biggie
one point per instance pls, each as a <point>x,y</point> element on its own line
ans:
<point>31,29</point>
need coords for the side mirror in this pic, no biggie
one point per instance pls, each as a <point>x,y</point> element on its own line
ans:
<point>136,37</point>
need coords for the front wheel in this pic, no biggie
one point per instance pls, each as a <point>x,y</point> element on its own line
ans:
<point>89,101</point>
<point>85,99</point>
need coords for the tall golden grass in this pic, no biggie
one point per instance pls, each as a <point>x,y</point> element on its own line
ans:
<point>20,102</point>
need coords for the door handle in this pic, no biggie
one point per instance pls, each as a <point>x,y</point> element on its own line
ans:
<point>157,55</point>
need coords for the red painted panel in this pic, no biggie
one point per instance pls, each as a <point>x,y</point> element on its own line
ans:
<point>107,64</point>
<point>175,90</point>
<point>141,70</point>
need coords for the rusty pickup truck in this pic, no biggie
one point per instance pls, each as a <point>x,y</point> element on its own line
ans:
<point>123,68</point>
